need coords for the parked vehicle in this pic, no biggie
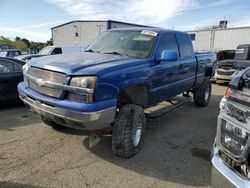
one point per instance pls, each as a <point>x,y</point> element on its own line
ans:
<point>229,68</point>
<point>10,75</point>
<point>51,50</point>
<point>230,155</point>
<point>120,74</point>
<point>225,54</point>
<point>10,53</point>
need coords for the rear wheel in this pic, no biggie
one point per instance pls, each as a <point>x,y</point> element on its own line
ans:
<point>202,94</point>
<point>128,131</point>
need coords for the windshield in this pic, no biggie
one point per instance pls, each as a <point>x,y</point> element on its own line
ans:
<point>3,54</point>
<point>130,43</point>
<point>45,50</point>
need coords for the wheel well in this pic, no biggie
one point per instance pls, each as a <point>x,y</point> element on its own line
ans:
<point>134,95</point>
<point>209,72</point>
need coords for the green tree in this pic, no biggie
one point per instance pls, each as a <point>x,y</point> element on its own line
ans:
<point>19,44</point>
<point>27,42</point>
<point>49,42</point>
<point>5,41</point>
<point>17,38</point>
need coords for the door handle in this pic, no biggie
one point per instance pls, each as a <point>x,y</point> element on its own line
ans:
<point>181,65</point>
<point>183,68</point>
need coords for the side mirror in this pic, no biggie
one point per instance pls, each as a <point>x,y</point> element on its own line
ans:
<point>168,55</point>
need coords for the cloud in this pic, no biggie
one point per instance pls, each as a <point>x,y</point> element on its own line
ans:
<point>240,23</point>
<point>139,11</point>
<point>23,33</point>
<point>42,24</point>
<point>36,32</point>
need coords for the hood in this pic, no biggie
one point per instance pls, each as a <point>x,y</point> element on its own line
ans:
<point>74,63</point>
<point>226,62</point>
<point>232,63</point>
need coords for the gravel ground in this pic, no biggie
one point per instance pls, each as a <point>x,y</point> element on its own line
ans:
<point>176,152</point>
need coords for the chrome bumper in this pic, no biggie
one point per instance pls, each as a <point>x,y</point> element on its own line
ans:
<point>78,120</point>
<point>224,176</point>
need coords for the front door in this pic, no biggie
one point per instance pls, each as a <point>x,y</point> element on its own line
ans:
<point>166,73</point>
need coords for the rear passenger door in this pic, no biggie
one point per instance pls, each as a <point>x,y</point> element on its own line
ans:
<point>166,73</point>
<point>187,66</point>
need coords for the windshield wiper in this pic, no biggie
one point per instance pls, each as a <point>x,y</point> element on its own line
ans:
<point>89,50</point>
<point>115,53</point>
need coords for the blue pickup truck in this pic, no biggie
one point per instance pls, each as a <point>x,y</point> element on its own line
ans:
<point>123,72</point>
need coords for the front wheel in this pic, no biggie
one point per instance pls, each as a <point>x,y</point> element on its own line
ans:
<point>202,94</point>
<point>128,131</point>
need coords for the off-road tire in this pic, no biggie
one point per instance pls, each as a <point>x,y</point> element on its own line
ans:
<point>52,124</point>
<point>122,137</point>
<point>201,97</point>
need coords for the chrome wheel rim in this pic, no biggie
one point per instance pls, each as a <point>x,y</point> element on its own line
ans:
<point>137,133</point>
<point>207,92</point>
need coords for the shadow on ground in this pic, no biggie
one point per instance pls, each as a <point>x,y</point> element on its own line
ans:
<point>16,115</point>
<point>5,184</point>
<point>177,146</point>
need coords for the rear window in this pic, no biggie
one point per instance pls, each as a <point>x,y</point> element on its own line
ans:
<point>56,51</point>
<point>46,50</point>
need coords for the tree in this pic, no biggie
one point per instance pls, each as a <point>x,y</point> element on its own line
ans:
<point>17,38</point>
<point>5,41</point>
<point>27,42</point>
<point>49,42</point>
<point>19,44</point>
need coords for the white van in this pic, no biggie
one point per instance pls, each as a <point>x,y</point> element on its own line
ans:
<point>52,50</point>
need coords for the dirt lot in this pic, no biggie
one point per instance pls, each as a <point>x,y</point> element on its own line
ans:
<point>176,152</point>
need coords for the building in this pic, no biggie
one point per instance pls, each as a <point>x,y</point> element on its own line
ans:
<point>219,37</point>
<point>82,32</point>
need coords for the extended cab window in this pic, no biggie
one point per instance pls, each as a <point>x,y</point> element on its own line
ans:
<point>185,45</point>
<point>168,42</point>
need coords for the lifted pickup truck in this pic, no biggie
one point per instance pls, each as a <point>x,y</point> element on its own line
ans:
<point>230,155</point>
<point>120,74</point>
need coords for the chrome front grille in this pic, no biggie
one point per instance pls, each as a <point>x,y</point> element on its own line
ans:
<point>226,73</point>
<point>47,75</point>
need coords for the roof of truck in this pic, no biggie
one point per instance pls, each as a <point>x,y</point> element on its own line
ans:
<point>155,29</point>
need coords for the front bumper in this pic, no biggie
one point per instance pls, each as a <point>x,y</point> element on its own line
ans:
<point>224,176</point>
<point>67,113</point>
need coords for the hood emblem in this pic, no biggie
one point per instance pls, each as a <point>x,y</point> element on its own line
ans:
<point>40,82</point>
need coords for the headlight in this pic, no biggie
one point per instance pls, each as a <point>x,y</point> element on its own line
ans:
<point>25,68</point>
<point>85,82</point>
<point>223,103</point>
<point>233,138</point>
<point>25,71</point>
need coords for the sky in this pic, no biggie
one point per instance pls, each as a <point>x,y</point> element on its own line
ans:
<point>32,19</point>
